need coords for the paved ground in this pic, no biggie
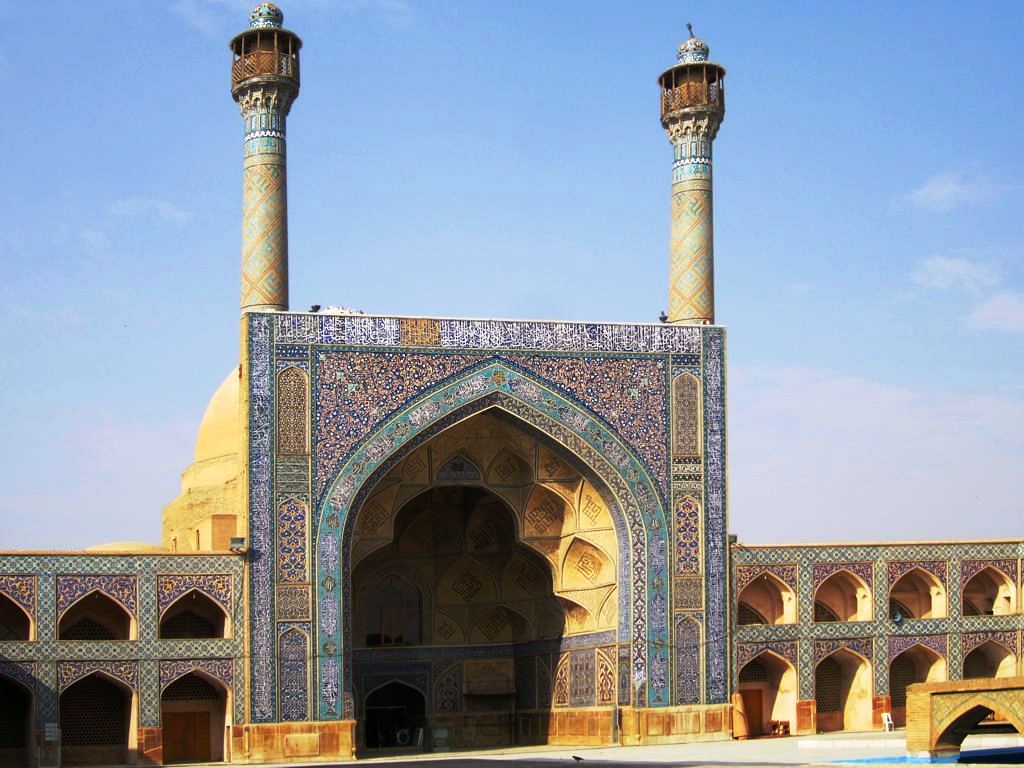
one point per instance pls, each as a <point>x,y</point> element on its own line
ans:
<point>795,751</point>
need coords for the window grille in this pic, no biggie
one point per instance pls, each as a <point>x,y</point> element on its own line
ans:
<point>87,629</point>
<point>93,713</point>
<point>823,613</point>
<point>191,687</point>
<point>392,612</point>
<point>747,615</point>
<point>187,624</point>
<point>754,672</point>
<point>978,664</point>
<point>828,686</point>
<point>902,673</point>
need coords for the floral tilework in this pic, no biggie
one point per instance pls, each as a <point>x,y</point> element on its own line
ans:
<point>688,659</point>
<point>971,568</point>
<point>861,645</point>
<point>291,542</point>
<point>786,573</point>
<point>23,672</point>
<point>971,640</point>
<point>687,519</point>
<point>21,588</point>
<point>787,649</point>
<point>69,672</point>
<point>73,587</point>
<point>899,643</point>
<point>169,587</point>
<point>219,669</point>
<point>822,571</point>
<point>685,415</point>
<point>292,411</point>
<point>293,649</point>
<point>898,569</point>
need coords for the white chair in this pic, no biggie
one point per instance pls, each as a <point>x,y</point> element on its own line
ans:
<point>887,723</point>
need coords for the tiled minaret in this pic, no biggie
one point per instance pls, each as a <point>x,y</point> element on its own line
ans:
<point>692,108</point>
<point>265,82</point>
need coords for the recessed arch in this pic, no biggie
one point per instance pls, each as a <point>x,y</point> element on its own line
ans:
<point>990,592</point>
<point>843,691</point>
<point>843,596</point>
<point>989,659</point>
<point>395,716</point>
<point>917,664</point>
<point>96,616</point>
<point>965,718</point>
<point>194,714</point>
<point>768,694</point>
<point>17,722</point>
<point>194,615</point>
<point>766,600</point>
<point>97,721</point>
<point>636,507</point>
<point>918,594</point>
<point>15,622</point>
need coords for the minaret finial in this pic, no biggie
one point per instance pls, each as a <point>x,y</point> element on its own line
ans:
<point>689,28</point>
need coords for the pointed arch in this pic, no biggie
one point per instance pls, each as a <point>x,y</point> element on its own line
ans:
<point>292,412</point>
<point>768,693</point>
<point>96,616</point>
<point>394,712</point>
<point>921,593</point>
<point>843,691</point>
<point>769,598</point>
<point>633,497</point>
<point>17,719</point>
<point>98,717</point>
<point>916,664</point>
<point>193,704</point>
<point>990,658</point>
<point>15,622</point>
<point>963,719</point>
<point>843,595</point>
<point>989,592</point>
<point>194,615</point>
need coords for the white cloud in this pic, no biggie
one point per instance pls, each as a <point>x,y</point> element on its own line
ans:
<point>946,272</point>
<point>952,189</point>
<point>1002,312</point>
<point>161,210</point>
<point>819,456</point>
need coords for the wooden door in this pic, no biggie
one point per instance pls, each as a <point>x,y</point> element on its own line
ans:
<point>186,737</point>
<point>752,705</point>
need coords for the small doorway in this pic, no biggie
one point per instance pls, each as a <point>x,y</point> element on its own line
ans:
<point>193,713</point>
<point>395,717</point>
<point>753,700</point>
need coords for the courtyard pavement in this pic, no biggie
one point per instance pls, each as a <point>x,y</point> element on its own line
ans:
<point>830,749</point>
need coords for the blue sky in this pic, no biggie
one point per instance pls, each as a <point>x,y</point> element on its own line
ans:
<point>485,159</point>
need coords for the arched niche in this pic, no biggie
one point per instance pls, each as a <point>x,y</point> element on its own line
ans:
<point>17,723</point>
<point>989,593</point>
<point>194,616</point>
<point>969,717</point>
<point>194,715</point>
<point>843,596</point>
<point>97,616</point>
<point>392,612</point>
<point>917,664</point>
<point>395,717</point>
<point>766,600</point>
<point>843,692</point>
<point>917,594</point>
<point>97,721</point>
<point>768,693</point>
<point>15,623</point>
<point>990,659</point>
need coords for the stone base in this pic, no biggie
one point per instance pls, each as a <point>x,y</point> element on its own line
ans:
<point>293,742</point>
<point>675,725</point>
<point>149,748</point>
<point>879,704</point>
<point>806,717</point>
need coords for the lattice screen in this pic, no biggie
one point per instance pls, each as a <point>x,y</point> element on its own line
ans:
<point>902,673</point>
<point>828,686</point>
<point>754,672</point>
<point>92,713</point>
<point>191,687</point>
<point>747,615</point>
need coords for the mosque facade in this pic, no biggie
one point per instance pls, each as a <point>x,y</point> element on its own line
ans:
<point>410,533</point>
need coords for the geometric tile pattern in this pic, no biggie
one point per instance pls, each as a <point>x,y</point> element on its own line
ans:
<point>691,273</point>
<point>133,580</point>
<point>686,420</point>
<point>381,386</point>
<point>687,555</point>
<point>122,589</point>
<point>293,649</point>
<point>878,566</point>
